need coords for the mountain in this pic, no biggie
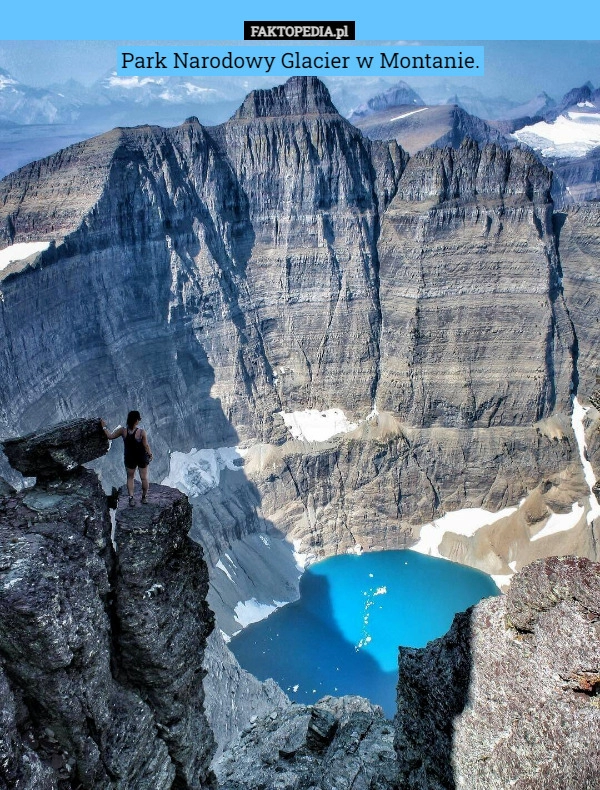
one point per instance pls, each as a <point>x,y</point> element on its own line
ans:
<point>282,269</point>
<point>400,94</point>
<point>540,106</point>
<point>23,104</point>
<point>571,130</point>
<point>576,97</point>
<point>415,129</point>
<point>467,98</point>
<point>567,139</point>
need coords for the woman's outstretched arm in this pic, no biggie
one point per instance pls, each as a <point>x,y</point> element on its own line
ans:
<point>118,431</point>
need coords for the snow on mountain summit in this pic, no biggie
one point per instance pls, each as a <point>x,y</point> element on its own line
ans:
<point>573,134</point>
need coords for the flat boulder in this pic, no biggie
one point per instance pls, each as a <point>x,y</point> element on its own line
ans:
<point>51,453</point>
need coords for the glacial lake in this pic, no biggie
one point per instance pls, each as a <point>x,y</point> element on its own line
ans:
<point>342,635</point>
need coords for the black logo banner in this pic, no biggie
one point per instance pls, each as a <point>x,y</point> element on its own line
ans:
<point>299,31</point>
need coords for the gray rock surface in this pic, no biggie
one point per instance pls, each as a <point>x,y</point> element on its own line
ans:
<point>58,450</point>
<point>469,269</point>
<point>162,622</point>
<point>416,128</point>
<point>101,676</point>
<point>337,744</point>
<point>491,706</point>
<point>232,695</point>
<point>579,228</point>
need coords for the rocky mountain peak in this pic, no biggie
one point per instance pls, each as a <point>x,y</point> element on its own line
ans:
<point>397,96</point>
<point>298,96</point>
<point>572,97</point>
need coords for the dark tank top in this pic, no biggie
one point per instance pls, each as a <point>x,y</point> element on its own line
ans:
<point>135,454</point>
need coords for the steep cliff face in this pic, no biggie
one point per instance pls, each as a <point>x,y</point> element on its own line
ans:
<point>199,248</point>
<point>579,229</point>
<point>508,698</point>
<point>315,190</point>
<point>101,654</point>
<point>470,293</point>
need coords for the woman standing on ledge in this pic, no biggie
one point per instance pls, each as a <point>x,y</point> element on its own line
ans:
<point>137,452</point>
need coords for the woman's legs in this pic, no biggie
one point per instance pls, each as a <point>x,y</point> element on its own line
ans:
<point>144,479</point>
<point>130,476</point>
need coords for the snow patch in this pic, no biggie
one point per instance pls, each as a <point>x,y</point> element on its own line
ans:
<point>302,560</point>
<point>5,81</point>
<point>502,580</point>
<point>252,611</point>
<point>312,425</point>
<point>221,567</point>
<point>574,135</point>
<point>579,413</point>
<point>226,637</point>
<point>132,82</point>
<point>17,252</point>
<point>357,549</point>
<point>198,471</point>
<point>406,114</point>
<point>560,522</point>
<point>460,522</point>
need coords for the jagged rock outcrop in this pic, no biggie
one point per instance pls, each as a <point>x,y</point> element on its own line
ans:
<point>61,449</point>
<point>101,655</point>
<point>508,698</point>
<point>337,744</point>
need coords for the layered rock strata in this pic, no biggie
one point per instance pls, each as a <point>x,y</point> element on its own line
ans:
<point>579,228</point>
<point>508,698</point>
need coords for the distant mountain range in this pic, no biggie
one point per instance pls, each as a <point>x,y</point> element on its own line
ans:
<point>35,122</point>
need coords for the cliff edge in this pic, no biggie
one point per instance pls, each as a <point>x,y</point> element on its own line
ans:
<point>509,697</point>
<point>101,652</point>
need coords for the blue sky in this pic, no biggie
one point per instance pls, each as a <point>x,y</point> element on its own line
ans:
<point>516,69</point>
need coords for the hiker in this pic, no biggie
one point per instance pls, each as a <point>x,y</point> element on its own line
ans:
<point>137,452</point>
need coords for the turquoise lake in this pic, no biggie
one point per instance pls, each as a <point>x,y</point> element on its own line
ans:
<point>342,635</point>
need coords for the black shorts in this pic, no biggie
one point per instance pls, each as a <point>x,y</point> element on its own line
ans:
<point>135,463</point>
